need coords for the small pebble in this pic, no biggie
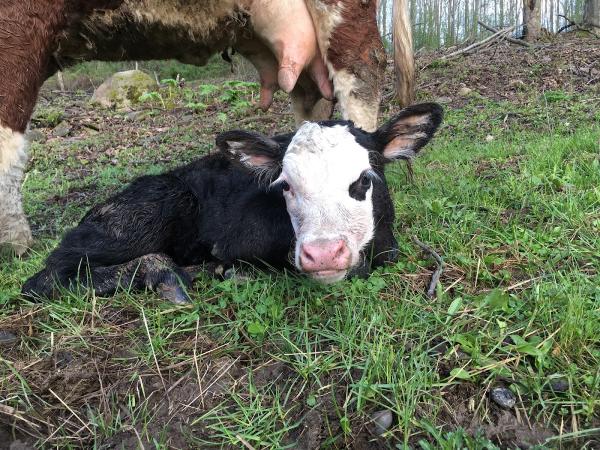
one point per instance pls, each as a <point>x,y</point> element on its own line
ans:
<point>464,91</point>
<point>489,138</point>
<point>7,338</point>
<point>136,115</point>
<point>517,84</point>
<point>559,384</point>
<point>62,358</point>
<point>443,100</point>
<point>503,397</point>
<point>382,420</point>
<point>439,348</point>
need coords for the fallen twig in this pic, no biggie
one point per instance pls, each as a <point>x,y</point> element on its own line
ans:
<point>498,35</point>
<point>508,38</point>
<point>261,117</point>
<point>435,277</point>
<point>571,23</point>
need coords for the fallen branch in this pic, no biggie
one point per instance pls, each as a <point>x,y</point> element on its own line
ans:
<point>508,38</point>
<point>498,35</point>
<point>571,23</point>
<point>435,277</point>
<point>261,118</point>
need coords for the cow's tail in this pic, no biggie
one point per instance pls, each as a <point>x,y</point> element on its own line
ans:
<point>403,53</point>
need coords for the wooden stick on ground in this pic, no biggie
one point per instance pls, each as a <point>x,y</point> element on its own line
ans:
<point>435,278</point>
<point>498,35</point>
<point>508,38</point>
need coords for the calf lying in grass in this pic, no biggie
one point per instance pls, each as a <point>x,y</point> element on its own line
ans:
<point>315,199</point>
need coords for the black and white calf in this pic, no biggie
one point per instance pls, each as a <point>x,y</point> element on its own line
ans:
<point>315,199</point>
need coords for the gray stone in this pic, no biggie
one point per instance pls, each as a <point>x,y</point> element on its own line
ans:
<point>136,115</point>
<point>464,91</point>
<point>62,129</point>
<point>123,89</point>
<point>382,421</point>
<point>36,136</point>
<point>503,397</point>
<point>443,100</point>
<point>559,384</point>
<point>7,338</point>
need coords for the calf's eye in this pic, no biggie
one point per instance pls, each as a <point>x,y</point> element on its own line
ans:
<point>285,186</point>
<point>358,189</point>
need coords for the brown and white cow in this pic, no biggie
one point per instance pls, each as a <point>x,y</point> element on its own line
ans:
<point>312,49</point>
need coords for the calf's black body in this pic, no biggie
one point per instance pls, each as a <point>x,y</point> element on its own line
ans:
<point>210,210</point>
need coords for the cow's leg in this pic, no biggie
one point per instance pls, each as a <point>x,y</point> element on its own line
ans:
<point>14,229</point>
<point>353,51</point>
<point>307,102</point>
<point>28,31</point>
<point>155,271</point>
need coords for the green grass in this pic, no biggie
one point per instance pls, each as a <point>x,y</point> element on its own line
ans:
<point>516,218</point>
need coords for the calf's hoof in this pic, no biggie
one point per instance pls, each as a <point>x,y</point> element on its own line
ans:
<point>236,275</point>
<point>174,293</point>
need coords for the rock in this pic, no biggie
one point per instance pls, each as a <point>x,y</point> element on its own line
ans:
<point>123,89</point>
<point>7,338</point>
<point>503,397</point>
<point>62,129</point>
<point>559,384</point>
<point>136,115</point>
<point>443,100</point>
<point>62,358</point>
<point>382,421</point>
<point>517,84</point>
<point>464,91</point>
<point>35,136</point>
<point>489,138</point>
<point>439,347</point>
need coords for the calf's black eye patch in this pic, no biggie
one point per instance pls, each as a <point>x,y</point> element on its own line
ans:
<point>358,189</point>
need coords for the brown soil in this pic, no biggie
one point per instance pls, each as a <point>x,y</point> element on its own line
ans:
<point>508,72</point>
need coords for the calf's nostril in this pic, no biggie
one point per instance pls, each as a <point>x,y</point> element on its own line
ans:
<point>340,249</point>
<point>306,255</point>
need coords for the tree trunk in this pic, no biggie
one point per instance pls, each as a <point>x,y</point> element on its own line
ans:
<point>591,16</point>
<point>532,19</point>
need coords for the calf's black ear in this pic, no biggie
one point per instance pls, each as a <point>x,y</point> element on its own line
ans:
<point>251,149</point>
<point>404,135</point>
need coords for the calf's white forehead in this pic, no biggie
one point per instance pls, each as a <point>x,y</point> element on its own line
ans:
<point>324,156</point>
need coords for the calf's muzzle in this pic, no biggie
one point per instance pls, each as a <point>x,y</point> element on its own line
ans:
<point>325,255</point>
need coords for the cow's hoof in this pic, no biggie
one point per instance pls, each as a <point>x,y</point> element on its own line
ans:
<point>174,293</point>
<point>16,241</point>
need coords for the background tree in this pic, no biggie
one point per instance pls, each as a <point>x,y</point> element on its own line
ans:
<point>532,19</point>
<point>591,16</point>
<point>439,23</point>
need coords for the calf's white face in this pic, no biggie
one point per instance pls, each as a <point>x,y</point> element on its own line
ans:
<point>326,171</point>
<point>331,226</point>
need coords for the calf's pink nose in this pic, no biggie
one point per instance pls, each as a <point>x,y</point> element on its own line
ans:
<point>324,255</point>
